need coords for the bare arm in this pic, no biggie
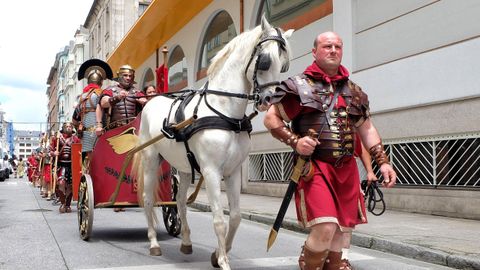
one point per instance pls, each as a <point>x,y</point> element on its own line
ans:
<point>367,163</point>
<point>370,137</point>
<point>98,116</point>
<point>104,102</point>
<point>274,123</point>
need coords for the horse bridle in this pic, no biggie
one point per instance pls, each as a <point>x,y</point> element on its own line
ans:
<point>264,62</point>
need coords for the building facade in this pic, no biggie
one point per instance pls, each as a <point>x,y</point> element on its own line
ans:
<point>26,142</point>
<point>417,66</point>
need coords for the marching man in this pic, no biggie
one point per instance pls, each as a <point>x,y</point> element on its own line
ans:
<point>64,171</point>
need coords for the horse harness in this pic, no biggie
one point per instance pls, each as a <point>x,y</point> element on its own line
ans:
<point>221,121</point>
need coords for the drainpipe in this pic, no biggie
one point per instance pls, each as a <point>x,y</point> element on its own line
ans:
<point>241,16</point>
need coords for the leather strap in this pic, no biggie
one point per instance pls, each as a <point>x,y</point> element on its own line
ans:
<point>377,152</point>
<point>285,135</point>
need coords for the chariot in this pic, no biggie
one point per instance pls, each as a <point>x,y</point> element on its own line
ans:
<point>105,181</point>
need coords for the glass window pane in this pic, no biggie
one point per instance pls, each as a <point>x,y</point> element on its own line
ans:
<point>220,31</point>
<point>177,70</point>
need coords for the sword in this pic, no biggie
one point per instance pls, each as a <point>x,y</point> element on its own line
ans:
<point>296,173</point>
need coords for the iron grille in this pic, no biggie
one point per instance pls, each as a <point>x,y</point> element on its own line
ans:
<point>429,162</point>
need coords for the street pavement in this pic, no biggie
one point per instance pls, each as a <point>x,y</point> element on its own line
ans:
<point>439,240</point>
<point>34,236</point>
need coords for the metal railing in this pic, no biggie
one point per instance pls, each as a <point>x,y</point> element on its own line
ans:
<point>435,162</point>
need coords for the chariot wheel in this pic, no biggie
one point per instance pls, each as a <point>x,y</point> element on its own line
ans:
<point>85,207</point>
<point>171,218</point>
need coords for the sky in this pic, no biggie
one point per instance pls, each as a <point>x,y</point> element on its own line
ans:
<point>32,32</point>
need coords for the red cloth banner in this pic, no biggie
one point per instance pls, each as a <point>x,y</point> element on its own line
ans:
<point>162,79</point>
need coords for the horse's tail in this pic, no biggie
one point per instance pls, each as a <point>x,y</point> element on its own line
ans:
<point>137,172</point>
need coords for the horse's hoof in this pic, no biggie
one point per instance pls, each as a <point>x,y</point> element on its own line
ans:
<point>155,251</point>
<point>186,249</point>
<point>214,260</point>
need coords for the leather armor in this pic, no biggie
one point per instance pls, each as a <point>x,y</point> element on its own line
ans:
<point>335,126</point>
<point>124,110</point>
<point>65,145</point>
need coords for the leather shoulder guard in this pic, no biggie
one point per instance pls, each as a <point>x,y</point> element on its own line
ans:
<point>359,109</point>
<point>311,94</point>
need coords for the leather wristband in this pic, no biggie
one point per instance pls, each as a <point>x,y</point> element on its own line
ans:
<point>285,135</point>
<point>377,152</point>
<point>113,100</point>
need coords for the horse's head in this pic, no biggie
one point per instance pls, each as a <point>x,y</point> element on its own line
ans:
<point>271,57</point>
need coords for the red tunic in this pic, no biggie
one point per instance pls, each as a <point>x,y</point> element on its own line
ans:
<point>334,193</point>
<point>32,166</point>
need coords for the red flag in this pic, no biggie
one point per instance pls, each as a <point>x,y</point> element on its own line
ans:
<point>162,79</point>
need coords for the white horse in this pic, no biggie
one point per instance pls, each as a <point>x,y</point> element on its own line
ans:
<point>253,59</point>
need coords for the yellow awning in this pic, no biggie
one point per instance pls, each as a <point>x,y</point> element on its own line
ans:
<point>161,20</point>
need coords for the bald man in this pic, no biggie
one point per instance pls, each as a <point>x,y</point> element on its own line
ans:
<point>328,199</point>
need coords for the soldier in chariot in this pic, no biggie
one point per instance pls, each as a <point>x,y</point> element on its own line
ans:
<point>122,101</point>
<point>87,117</point>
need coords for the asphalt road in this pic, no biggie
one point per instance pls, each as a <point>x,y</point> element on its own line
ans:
<point>34,235</point>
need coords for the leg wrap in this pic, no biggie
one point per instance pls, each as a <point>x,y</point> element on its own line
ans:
<point>334,262</point>
<point>313,260</point>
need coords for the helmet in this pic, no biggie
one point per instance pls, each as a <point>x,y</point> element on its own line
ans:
<point>64,127</point>
<point>95,71</point>
<point>125,69</point>
<point>95,76</point>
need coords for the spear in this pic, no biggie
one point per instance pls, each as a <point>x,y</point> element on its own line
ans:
<point>55,176</point>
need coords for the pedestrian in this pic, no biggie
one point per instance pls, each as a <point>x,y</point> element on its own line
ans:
<point>122,101</point>
<point>64,167</point>
<point>4,168</point>
<point>21,168</point>
<point>328,199</point>
<point>150,91</point>
<point>87,116</point>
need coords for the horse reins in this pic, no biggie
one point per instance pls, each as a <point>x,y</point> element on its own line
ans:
<point>372,196</point>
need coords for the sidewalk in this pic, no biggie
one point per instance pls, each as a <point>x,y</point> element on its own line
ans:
<point>441,240</point>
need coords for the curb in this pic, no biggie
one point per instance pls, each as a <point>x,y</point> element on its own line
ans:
<point>371,242</point>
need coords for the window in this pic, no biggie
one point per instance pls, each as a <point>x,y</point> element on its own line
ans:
<point>148,78</point>
<point>107,23</point>
<point>293,13</point>
<point>177,70</point>
<point>142,6</point>
<point>220,31</point>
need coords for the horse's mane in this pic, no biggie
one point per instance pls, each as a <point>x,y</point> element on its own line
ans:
<point>243,42</point>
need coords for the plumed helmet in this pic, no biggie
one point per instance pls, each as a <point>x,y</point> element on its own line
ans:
<point>95,71</point>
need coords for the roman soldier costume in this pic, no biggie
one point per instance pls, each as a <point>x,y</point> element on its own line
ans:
<point>85,116</point>
<point>64,170</point>
<point>122,111</point>
<point>32,167</point>
<point>333,106</point>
